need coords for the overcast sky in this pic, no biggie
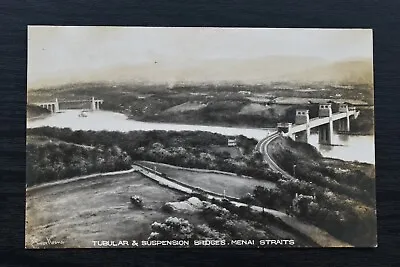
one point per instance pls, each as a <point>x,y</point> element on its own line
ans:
<point>56,50</point>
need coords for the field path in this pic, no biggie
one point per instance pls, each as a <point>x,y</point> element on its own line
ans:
<point>74,179</point>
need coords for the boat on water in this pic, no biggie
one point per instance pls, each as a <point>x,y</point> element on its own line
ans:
<point>83,114</point>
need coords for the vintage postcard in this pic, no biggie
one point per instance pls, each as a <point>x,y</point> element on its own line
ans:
<point>141,137</point>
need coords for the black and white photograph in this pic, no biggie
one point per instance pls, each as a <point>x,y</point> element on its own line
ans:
<point>182,137</point>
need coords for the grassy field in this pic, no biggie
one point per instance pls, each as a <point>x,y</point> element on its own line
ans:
<point>233,185</point>
<point>187,106</point>
<point>95,209</point>
<point>254,109</point>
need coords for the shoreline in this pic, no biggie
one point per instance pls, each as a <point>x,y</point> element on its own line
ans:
<point>174,123</point>
<point>267,127</point>
<point>356,133</point>
<point>44,116</point>
<point>206,125</point>
<point>125,126</point>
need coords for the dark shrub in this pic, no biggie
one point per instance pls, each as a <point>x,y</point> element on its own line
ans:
<point>167,208</point>
<point>137,201</point>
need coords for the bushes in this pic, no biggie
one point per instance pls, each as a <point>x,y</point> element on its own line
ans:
<point>248,199</point>
<point>272,197</point>
<point>229,222</point>
<point>174,228</point>
<point>185,149</point>
<point>311,168</point>
<point>342,217</point>
<point>203,230</point>
<point>137,201</point>
<point>167,208</point>
<point>51,162</point>
<point>236,222</point>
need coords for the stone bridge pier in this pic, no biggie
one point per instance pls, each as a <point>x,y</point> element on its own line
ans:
<point>325,131</point>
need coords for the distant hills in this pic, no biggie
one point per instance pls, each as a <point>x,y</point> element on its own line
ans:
<point>344,72</point>
<point>262,70</point>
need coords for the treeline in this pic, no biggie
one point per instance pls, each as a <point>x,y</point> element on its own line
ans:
<point>132,140</point>
<point>185,149</point>
<point>249,165</point>
<point>35,111</point>
<point>56,161</point>
<point>225,118</point>
<point>364,124</point>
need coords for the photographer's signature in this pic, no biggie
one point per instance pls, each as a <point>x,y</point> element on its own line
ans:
<point>48,242</point>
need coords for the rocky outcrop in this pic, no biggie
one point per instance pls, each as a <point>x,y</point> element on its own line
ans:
<point>190,205</point>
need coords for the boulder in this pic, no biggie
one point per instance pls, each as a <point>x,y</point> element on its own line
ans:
<point>194,201</point>
<point>190,205</point>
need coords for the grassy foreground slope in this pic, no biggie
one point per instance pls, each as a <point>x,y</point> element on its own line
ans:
<point>95,209</point>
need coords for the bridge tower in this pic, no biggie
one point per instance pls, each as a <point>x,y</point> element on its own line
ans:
<point>303,117</point>
<point>325,131</point>
<point>93,104</point>
<point>56,106</point>
<point>344,124</point>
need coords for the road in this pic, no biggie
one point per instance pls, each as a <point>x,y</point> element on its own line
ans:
<point>316,235</point>
<point>262,147</point>
<point>312,231</point>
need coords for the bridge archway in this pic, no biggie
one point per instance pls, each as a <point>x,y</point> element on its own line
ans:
<point>56,106</point>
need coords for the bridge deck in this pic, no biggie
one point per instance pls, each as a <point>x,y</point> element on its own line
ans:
<point>68,101</point>
<point>315,122</point>
<point>79,101</point>
<point>44,103</point>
